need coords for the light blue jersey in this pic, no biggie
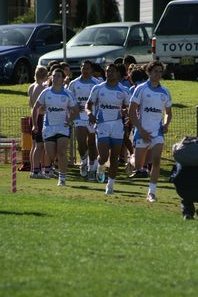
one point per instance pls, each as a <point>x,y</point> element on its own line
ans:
<point>57,105</point>
<point>152,104</point>
<point>81,89</point>
<point>109,101</point>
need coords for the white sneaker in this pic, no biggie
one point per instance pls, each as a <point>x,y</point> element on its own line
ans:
<point>100,174</point>
<point>39,175</point>
<point>151,197</point>
<point>61,183</point>
<point>52,174</point>
<point>109,190</point>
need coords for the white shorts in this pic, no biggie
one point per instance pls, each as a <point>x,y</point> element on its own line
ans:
<point>140,143</point>
<point>84,123</point>
<point>113,130</point>
<point>49,131</point>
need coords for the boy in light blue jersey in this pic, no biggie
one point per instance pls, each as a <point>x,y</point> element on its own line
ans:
<point>150,112</point>
<point>108,99</point>
<point>60,108</point>
<point>85,133</point>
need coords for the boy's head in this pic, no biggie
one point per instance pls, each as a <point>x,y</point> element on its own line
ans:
<point>40,73</point>
<point>154,64</point>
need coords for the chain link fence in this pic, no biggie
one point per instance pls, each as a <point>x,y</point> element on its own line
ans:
<point>184,122</point>
<point>11,122</point>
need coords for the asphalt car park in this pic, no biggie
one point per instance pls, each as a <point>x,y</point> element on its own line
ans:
<point>103,43</point>
<point>21,46</point>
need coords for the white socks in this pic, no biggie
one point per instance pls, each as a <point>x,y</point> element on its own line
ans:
<point>152,188</point>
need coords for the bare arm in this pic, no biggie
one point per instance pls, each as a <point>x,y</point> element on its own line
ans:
<point>73,113</point>
<point>133,108</point>
<point>167,119</point>
<point>35,113</point>
<point>88,109</point>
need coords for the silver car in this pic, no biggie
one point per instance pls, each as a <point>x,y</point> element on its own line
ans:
<point>103,43</point>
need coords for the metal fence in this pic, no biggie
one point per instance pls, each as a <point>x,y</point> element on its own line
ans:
<point>11,128</point>
<point>184,122</point>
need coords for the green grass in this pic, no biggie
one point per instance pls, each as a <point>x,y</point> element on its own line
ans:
<point>14,95</point>
<point>183,93</point>
<point>184,96</point>
<point>75,241</point>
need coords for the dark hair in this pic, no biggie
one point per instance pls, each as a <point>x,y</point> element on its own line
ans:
<point>50,63</point>
<point>53,67</point>
<point>63,65</point>
<point>138,75</point>
<point>122,70</point>
<point>87,62</point>
<point>59,70</point>
<point>128,59</point>
<point>153,64</point>
<point>118,60</point>
<point>115,66</point>
<point>97,68</point>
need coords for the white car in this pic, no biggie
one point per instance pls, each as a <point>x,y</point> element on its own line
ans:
<point>175,39</point>
<point>103,43</point>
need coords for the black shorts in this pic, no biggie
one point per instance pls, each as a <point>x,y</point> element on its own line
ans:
<point>55,137</point>
<point>38,137</point>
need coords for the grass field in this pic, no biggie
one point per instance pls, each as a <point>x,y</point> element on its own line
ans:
<point>184,95</point>
<point>77,242</point>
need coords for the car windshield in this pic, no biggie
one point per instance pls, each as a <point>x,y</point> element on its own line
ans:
<point>100,36</point>
<point>14,36</point>
<point>185,23</point>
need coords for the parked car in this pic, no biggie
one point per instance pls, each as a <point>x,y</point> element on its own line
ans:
<point>175,39</point>
<point>103,43</point>
<point>21,45</point>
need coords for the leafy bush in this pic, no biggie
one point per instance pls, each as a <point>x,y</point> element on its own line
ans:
<point>28,17</point>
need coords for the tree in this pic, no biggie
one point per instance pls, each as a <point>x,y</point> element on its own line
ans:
<point>93,16</point>
<point>81,13</point>
<point>110,11</point>
<point>28,17</point>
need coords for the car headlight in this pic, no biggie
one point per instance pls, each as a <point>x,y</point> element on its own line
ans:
<point>8,65</point>
<point>100,60</point>
<point>43,62</point>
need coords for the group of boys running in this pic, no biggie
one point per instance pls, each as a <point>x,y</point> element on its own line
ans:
<point>95,106</point>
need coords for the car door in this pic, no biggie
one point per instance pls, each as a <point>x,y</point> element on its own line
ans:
<point>46,40</point>
<point>139,43</point>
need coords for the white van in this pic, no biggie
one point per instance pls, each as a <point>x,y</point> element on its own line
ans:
<point>175,40</point>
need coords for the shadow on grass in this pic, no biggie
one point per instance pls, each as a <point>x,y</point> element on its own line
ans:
<point>179,105</point>
<point>25,213</point>
<point>131,193</point>
<point>13,92</point>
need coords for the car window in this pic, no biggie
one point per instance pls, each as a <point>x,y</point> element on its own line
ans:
<point>136,36</point>
<point>140,35</point>
<point>149,31</point>
<point>57,35</point>
<point>49,35</point>
<point>100,36</point>
<point>14,36</point>
<point>186,21</point>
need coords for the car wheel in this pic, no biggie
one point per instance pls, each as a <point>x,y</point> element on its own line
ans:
<point>21,74</point>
